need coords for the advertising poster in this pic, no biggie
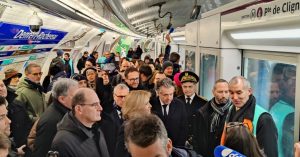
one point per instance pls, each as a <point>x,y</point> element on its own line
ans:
<point>18,40</point>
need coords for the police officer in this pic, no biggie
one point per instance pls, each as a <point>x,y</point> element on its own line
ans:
<point>193,102</point>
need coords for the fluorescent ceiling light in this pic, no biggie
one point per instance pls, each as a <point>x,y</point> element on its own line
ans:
<point>90,14</point>
<point>179,38</point>
<point>278,34</point>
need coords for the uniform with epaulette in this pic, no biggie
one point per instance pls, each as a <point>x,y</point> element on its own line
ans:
<point>192,102</point>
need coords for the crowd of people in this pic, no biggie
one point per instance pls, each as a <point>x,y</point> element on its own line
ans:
<point>128,107</point>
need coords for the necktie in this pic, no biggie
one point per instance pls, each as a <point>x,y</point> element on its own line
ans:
<point>165,110</point>
<point>188,100</point>
<point>120,114</point>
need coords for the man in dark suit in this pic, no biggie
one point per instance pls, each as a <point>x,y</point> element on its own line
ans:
<point>171,111</point>
<point>193,102</point>
<point>120,92</point>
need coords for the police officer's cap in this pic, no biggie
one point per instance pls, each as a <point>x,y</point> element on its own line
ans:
<point>188,76</point>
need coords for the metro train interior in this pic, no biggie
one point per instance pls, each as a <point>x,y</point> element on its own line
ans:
<point>258,39</point>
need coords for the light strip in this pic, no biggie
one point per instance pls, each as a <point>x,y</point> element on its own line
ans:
<point>96,18</point>
<point>278,34</point>
<point>178,38</point>
<point>62,4</point>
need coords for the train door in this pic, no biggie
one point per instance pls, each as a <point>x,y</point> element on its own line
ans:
<point>272,76</point>
<point>209,70</point>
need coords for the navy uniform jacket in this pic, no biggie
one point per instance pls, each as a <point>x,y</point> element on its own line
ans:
<point>176,121</point>
<point>192,109</point>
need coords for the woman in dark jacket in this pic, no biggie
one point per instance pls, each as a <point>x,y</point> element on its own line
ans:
<point>101,86</point>
<point>130,53</point>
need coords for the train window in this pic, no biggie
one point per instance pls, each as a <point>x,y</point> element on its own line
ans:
<point>273,85</point>
<point>208,74</point>
<point>190,60</point>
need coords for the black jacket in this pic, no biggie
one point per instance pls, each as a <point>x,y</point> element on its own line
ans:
<point>73,139</point>
<point>192,109</point>
<point>266,131</point>
<point>81,63</point>
<point>11,95</point>
<point>117,79</point>
<point>204,141</point>
<point>20,122</point>
<point>176,121</point>
<point>138,53</point>
<point>115,117</point>
<point>105,94</point>
<point>183,152</point>
<point>176,68</point>
<point>61,74</point>
<point>110,131</point>
<point>139,87</point>
<point>121,150</point>
<point>46,128</point>
<point>129,54</point>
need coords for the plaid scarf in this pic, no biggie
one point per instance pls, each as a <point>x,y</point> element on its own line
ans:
<point>218,111</point>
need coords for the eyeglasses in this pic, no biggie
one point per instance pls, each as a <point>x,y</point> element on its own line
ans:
<point>236,124</point>
<point>37,74</point>
<point>95,104</point>
<point>120,96</point>
<point>134,79</point>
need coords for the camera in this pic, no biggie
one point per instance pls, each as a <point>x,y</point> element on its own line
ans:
<point>35,23</point>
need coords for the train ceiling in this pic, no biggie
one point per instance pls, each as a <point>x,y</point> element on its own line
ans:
<point>136,16</point>
<point>140,14</point>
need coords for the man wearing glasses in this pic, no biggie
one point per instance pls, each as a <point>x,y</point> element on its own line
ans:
<point>120,92</point>
<point>78,133</point>
<point>245,110</point>
<point>132,79</point>
<point>30,91</point>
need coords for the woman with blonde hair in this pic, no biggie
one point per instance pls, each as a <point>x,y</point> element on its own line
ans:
<point>136,104</point>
